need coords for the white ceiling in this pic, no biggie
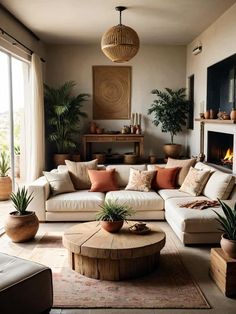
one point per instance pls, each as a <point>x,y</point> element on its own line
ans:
<point>84,21</point>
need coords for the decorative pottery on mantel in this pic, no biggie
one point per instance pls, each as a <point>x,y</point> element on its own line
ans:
<point>228,246</point>
<point>207,114</point>
<point>172,150</point>
<point>21,228</point>
<point>112,226</point>
<point>233,115</point>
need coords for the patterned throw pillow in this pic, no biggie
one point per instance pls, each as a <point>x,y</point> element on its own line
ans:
<point>103,180</point>
<point>195,181</point>
<point>59,182</point>
<point>140,180</point>
<point>79,173</point>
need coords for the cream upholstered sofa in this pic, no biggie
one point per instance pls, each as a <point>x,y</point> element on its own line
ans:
<point>190,225</point>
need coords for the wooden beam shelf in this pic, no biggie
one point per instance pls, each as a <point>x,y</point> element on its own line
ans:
<point>216,121</point>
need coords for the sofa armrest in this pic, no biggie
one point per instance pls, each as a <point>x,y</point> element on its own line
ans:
<point>41,191</point>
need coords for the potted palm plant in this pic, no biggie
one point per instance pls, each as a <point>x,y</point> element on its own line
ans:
<point>5,180</point>
<point>21,225</point>
<point>112,215</point>
<point>228,226</point>
<point>63,112</point>
<point>170,110</point>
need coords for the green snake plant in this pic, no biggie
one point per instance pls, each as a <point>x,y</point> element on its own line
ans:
<point>228,221</point>
<point>21,200</point>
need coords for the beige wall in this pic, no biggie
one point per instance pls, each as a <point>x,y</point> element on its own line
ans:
<point>218,42</point>
<point>153,67</point>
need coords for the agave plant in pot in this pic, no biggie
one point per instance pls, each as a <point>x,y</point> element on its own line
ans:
<point>170,110</point>
<point>228,226</point>
<point>21,225</point>
<point>5,180</point>
<point>112,215</point>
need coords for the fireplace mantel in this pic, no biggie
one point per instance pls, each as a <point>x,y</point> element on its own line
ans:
<point>218,121</point>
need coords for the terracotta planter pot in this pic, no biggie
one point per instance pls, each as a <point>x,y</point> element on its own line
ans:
<point>59,159</point>
<point>5,188</point>
<point>112,226</point>
<point>228,246</point>
<point>233,114</point>
<point>21,228</point>
<point>172,150</point>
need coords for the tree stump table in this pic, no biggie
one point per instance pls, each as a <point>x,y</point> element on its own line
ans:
<point>98,254</point>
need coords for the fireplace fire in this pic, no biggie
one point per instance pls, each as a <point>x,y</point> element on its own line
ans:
<point>228,158</point>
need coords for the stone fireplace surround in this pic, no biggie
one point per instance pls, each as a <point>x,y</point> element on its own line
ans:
<point>229,128</point>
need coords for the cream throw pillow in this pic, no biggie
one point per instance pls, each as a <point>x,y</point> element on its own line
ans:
<point>79,173</point>
<point>140,180</point>
<point>220,185</point>
<point>184,164</point>
<point>59,182</point>
<point>195,181</point>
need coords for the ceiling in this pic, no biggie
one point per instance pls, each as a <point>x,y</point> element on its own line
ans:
<point>165,22</point>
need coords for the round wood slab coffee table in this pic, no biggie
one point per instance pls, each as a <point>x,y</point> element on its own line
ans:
<point>96,253</point>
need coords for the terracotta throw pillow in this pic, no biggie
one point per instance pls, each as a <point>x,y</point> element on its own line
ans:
<point>79,173</point>
<point>184,164</point>
<point>103,180</point>
<point>140,180</point>
<point>165,178</point>
<point>195,181</point>
<point>59,182</point>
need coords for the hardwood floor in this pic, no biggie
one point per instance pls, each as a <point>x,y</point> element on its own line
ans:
<point>195,258</point>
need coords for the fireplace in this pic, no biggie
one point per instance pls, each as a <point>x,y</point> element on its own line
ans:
<point>220,148</point>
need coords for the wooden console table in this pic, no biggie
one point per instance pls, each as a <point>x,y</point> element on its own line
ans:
<point>137,140</point>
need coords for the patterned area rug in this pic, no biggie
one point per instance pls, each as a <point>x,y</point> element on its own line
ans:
<point>170,286</point>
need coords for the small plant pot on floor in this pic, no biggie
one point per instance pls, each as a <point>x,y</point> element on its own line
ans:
<point>21,228</point>
<point>228,246</point>
<point>172,150</point>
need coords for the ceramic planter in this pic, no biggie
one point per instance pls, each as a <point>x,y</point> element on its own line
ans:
<point>59,159</point>
<point>5,188</point>
<point>172,150</point>
<point>228,246</point>
<point>21,228</point>
<point>112,226</point>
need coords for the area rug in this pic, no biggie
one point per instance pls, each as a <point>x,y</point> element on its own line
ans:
<point>170,286</point>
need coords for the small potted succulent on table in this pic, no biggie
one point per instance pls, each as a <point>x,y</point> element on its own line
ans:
<point>21,225</point>
<point>228,226</point>
<point>112,215</point>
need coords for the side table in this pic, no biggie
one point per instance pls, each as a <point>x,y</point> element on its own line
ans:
<point>223,271</point>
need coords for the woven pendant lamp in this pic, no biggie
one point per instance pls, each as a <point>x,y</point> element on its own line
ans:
<point>120,43</point>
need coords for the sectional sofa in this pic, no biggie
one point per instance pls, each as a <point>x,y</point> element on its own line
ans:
<point>192,226</point>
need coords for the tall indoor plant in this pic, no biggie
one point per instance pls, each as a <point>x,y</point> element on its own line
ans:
<point>5,180</point>
<point>170,110</point>
<point>63,113</point>
<point>21,225</point>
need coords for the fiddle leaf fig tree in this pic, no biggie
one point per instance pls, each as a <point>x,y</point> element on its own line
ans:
<point>63,112</point>
<point>170,110</point>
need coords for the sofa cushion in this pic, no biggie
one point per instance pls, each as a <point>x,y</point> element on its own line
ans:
<point>191,220</point>
<point>140,180</point>
<point>122,172</point>
<point>201,166</point>
<point>77,201</point>
<point>172,193</point>
<point>139,201</point>
<point>165,178</point>
<point>184,164</point>
<point>219,185</point>
<point>103,180</point>
<point>195,181</point>
<point>59,182</point>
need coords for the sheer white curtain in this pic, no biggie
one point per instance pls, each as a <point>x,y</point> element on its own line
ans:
<point>34,114</point>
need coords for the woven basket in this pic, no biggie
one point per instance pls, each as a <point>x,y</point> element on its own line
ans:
<point>130,158</point>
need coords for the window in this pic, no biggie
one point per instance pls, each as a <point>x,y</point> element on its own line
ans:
<point>14,95</point>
